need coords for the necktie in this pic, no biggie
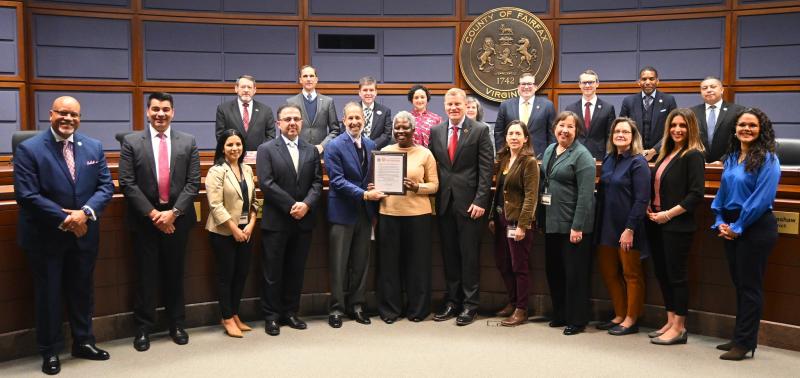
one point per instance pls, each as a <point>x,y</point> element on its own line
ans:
<point>309,97</point>
<point>711,122</point>
<point>294,153</point>
<point>245,116</point>
<point>69,158</point>
<point>163,169</point>
<point>451,147</point>
<point>367,121</point>
<point>648,100</point>
<point>525,115</point>
<point>587,115</point>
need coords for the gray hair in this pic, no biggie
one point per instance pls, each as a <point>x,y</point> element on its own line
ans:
<point>407,116</point>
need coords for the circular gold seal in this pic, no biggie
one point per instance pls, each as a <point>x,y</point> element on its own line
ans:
<point>499,46</point>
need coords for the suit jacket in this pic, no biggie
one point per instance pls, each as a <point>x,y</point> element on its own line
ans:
<point>261,128</point>
<point>282,186</point>
<point>633,108</point>
<point>324,127</point>
<point>138,180</point>
<point>225,197</point>
<point>682,183</point>
<point>381,132</point>
<point>541,122</point>
<point>346,181</point>
<point>43,186</point>
<point>571,186</point>
<point>600,126</point>
<point>726,123</point>
<point>468,180</point>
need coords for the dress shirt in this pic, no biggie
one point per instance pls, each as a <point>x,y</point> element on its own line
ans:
<point>423,122</point>
<point>593,101</point>
<point>530,104</point>
<point>450,130</point>
<point>155,140</point>
<point>625,191</point>
<point>296,148</point>
<point>717,108</point>
<point>313,95</point>
<point>752,193</point>
<point>653,95</point>
<point>71,139</point>
<point>249,110</point>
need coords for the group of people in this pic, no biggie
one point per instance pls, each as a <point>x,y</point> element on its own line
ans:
<point>544,167</point>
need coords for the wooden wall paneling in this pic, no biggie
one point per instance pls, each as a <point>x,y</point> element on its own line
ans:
<point>84,8</point>
<point>750,11</point>
<point>22,108</point>
<point>667,12</point>
<point>20,40</point>
<point>776,4</point>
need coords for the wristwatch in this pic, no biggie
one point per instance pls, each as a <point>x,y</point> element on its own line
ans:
<point>177,212</point>
<point>88,212</point>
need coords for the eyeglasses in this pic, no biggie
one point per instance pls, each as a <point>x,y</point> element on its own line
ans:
<point>65,113</point>
<point>747,125</point>
<point>526,84</point>
<point>592,82</point>
<point>291,119</point>
<point>623,132</point>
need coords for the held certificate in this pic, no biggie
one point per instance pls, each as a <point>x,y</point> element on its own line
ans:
<point>388,171</point>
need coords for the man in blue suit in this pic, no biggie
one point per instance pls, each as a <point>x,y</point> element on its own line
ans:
<point>535,111</point>
<point>649,109</point>
<point>62,185</point>
<point>351,211</point>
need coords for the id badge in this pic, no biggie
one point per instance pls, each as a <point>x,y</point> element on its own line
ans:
<point>243,219</point>
<point>511,232</point>
<point>546,197</point>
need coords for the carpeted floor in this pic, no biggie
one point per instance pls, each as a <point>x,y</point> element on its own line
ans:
<point>482,349</point>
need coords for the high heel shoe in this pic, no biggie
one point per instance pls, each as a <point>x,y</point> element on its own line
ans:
<point>231,329</point>
<point>240,324</point>
<point>726,347</point>
<point>682,338</point>
<point>737,353</point>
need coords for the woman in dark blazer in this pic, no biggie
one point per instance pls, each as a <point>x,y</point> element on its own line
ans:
<point>566,212</point>
<point>744,220</point>
<point>232,204</point>
<point>622,197</point>
<point>678,185</point>
<point>511,219</point>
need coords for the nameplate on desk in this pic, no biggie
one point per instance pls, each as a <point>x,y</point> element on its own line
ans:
<point>787,222</point>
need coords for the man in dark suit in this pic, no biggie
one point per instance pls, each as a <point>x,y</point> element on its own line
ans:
<point>649,109</point>
<point>252,118</point>
<point>535,111</point>
<point>62,185</point>
<point>715,118</point>
<point>597,115</point>
<point>464,161</point>
<point>351,211</point>
<point>290,176</point>
<point>159,173</point>
<point>321,125</point>
<point>377,118</point>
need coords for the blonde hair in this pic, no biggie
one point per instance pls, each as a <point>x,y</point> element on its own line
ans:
<point>636,137</point>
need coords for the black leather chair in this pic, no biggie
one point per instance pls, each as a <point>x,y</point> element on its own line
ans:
<point>788,151</point>
<point>121,136</point>
<point>19,137</point>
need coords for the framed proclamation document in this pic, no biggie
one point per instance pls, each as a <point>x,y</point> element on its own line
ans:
<point>388,171</point>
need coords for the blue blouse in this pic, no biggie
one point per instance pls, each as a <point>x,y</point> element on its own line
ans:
<point>623,193</point>
<point>750,192</point>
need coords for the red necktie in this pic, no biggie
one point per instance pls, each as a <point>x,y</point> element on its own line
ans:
<point>245,116</point>
<point>163,169</point>
<point>451,147</point>
<point>587,115</point>
<point>69,158</point>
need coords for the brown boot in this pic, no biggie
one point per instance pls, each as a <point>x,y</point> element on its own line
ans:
<point>231,329</point>
<point>518,317</point>
<point>240,324</point>
<point>505,312</point>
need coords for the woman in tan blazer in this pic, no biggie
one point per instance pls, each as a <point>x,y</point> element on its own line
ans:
<point>231,195</point>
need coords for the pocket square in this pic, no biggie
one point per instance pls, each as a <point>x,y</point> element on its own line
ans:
<point>663,110</point>
<point>91,162</point>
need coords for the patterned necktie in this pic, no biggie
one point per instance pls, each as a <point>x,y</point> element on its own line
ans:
<point>525,115</point>
<point>648,100</point>
<point>711,122</point>
<point>163,169</point>
<point>245,116</point>
<point>587,115</point>
<point>451,147</point>
<point>294,153</point>
<point>367,121</point>
<point>69,157</point>
<point>309,97</point>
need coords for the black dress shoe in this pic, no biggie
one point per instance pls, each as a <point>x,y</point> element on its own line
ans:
<point>556,323</point>
<point>466,317</point>
<point>605,326</point>
<point>272,328</point>
<point>142,341</point>
<point>89,352</point>
<point>361,317</point>
<point>416,320</point>
<point>448,313</point>
<point>294,322</point>
<point>51,365</point>
<point>621,330</point>
<point>388,320</point>
<point>179,335</point>
<point>335,321</point>
<point>573,330</point>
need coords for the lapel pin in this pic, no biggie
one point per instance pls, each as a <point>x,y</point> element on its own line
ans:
<point>256,109</point>
<point>537,106</point>
<point>80,143</point>
<point>660,100</point>
<point>724,109</point>
<point>599,106</point>
<point>379,112</point>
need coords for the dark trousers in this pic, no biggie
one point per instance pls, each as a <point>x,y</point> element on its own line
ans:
<point>511,257</point>
<point>349,258</point>
<point>568,269</point>
<point>404,247</point>
<point>283,267</point>
<point>747,260</point>
<point>68,271</point>
<point>233,263</point>
<point>461,242</point>
<point>670,251</point>
<point>156,251</point>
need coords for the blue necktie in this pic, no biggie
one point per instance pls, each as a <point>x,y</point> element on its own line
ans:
<point>711,121</point>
